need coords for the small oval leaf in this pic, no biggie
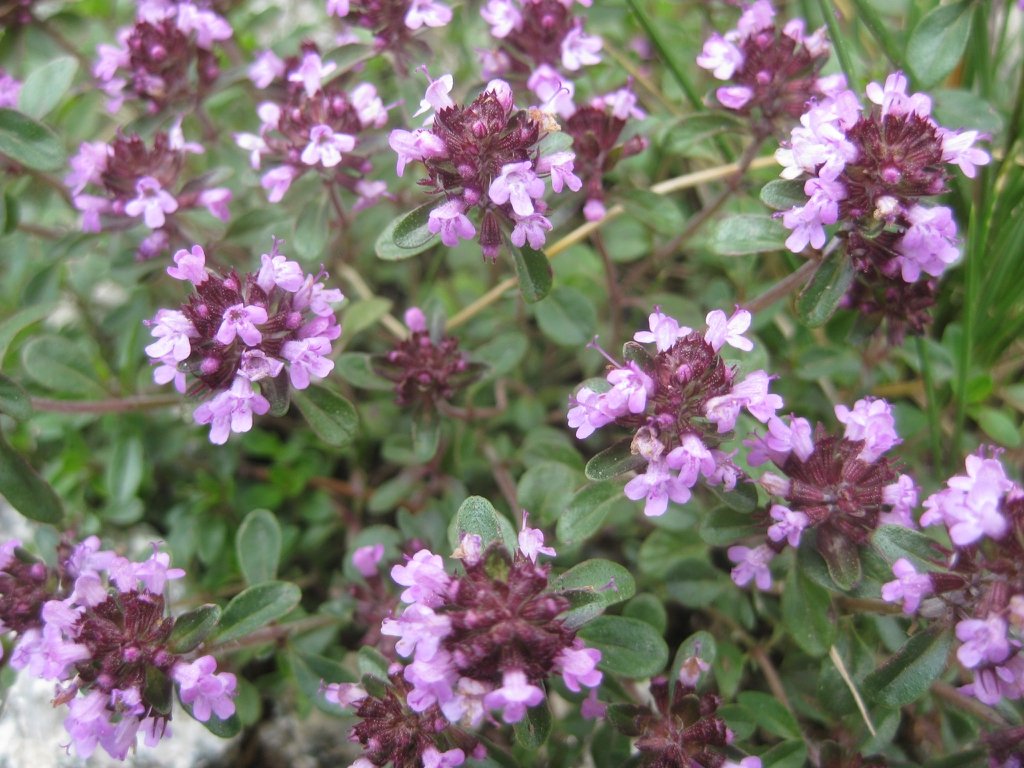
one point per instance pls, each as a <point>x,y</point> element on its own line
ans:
<point>191,628</point>
<point>258,546</point>
<point>824,292</point>
<point>256,607</point>
<point>629,647</point>
<point>329,415</point>
<point>25,490</point>
<point>30,143</point>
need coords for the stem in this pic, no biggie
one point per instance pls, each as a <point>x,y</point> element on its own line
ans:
<point>878,29</point>
<point>584,231</point>
<point>783,288</point>
<point>365,292</point>
<point>614,288</point>
<point>702,216</point>
<point>972,705</point>
<point>837,660</point>
<point>838,42</point>
<point>501,476</point>
<point>934,427</point>
<point>63,42</point>
<point>272,634</point>
<point>111,405</point>
<point>673,66</point>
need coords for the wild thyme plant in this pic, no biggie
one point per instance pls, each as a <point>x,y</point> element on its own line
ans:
<point>514,382</point>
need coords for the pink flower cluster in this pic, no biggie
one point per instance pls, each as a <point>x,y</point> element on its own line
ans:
<point>96,627</point>
<point>116,184</point>
<point>681,403</point>
<point>484,156</point>
<point>841,488</point>
<point>235,335</point>
<point>540,41</point>
<point>774,71</point>
<point>981,580</point>
<point>312,124</point>
<point>10,90</point>
<point>393,22</point>
<point>870,169</point>
<point>153,60</point>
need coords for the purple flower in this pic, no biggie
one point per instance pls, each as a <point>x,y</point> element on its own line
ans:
<point>665,331</point>
<point>560,165</point>
<point>578,666</point>
<point>231,410</point>
<point>241,320</point>
<point>414,145</point>
<point>425,577</point>
<point>419,630</point>
<point>958,148</point>
<point>206,692</point>
<point>452,758</point>
<point>984,641</point>
<point>311,72</point>
<point>751,565</point>
<point>173,332</point>
<point>970,505</point>
<point>734,96</point>
<point>449,220</point>
<point>343,694</point>
<point>692,459</point>
<point>433,681</point>
<point>580,49</point>
<point>780,441</point>
<point>156,571</point>
<point>630,389</point>
<point>721,331</point>
<point>590,413</point>
<point>531,542</point>
<point>871,420</point>
<point>720,56</point>
<point>326,147</point>
<point>277,270</point>
<point>657,485</point>
<point>910,586</point>
<point>366,559</point>
<point>928,244</point>
<point>277,181</point>
<point>267,68</point>
<point>503,16</point>
<point>427,13</point>
<point>514,696</point>
<point>517,182</point>
<point>189,266</point>
<point>307,358</point>
<point>152,202</point>
<point>789,525</point>
<point>436,96</point>
<point>530,228</point>
<point>902,497</point>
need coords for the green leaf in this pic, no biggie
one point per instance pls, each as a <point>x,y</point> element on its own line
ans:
<point>18,322</point>
<point>841,556</point>
<point>910,673</point>
<point>14,401</point>
<point>45,87</point>
<point>788,754</point>
<point>629,647</point>
<point>567,317</point>
<point>783,194</point>
<point>725,526</point>
<point>478,516</point>
<point>533,271</point>
<point>26,491</point>
<point>545,489</point>
<point>742,498</point>
<point>821,297</point>
<point>60,365</point>
<point>310,670</point>
<point>938,42</point>
<point>586,512</point>
<point>655,211</point>
<point>805,614</point>
<point>649,609</point>
<point>770,714</point>
<point>357,369</point>
<point>191,628</point>
<point>998,425</point>
<point>256,607</point>
<point>125,468</point>
<point>407,235</point>
<point>533,730</point>
<point>30,143</point>
<point>329,415</point>
<point>258,546</point>
<point>372,662</point>
<point>690,136</point>
<point>503,353</point>
<point>158,690</point>
<point>364,313</point>
<point>613,461</point>
<point>312,230</point>
<point>744,233</point>
<point>608,582</point>
<point>894,541</point>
